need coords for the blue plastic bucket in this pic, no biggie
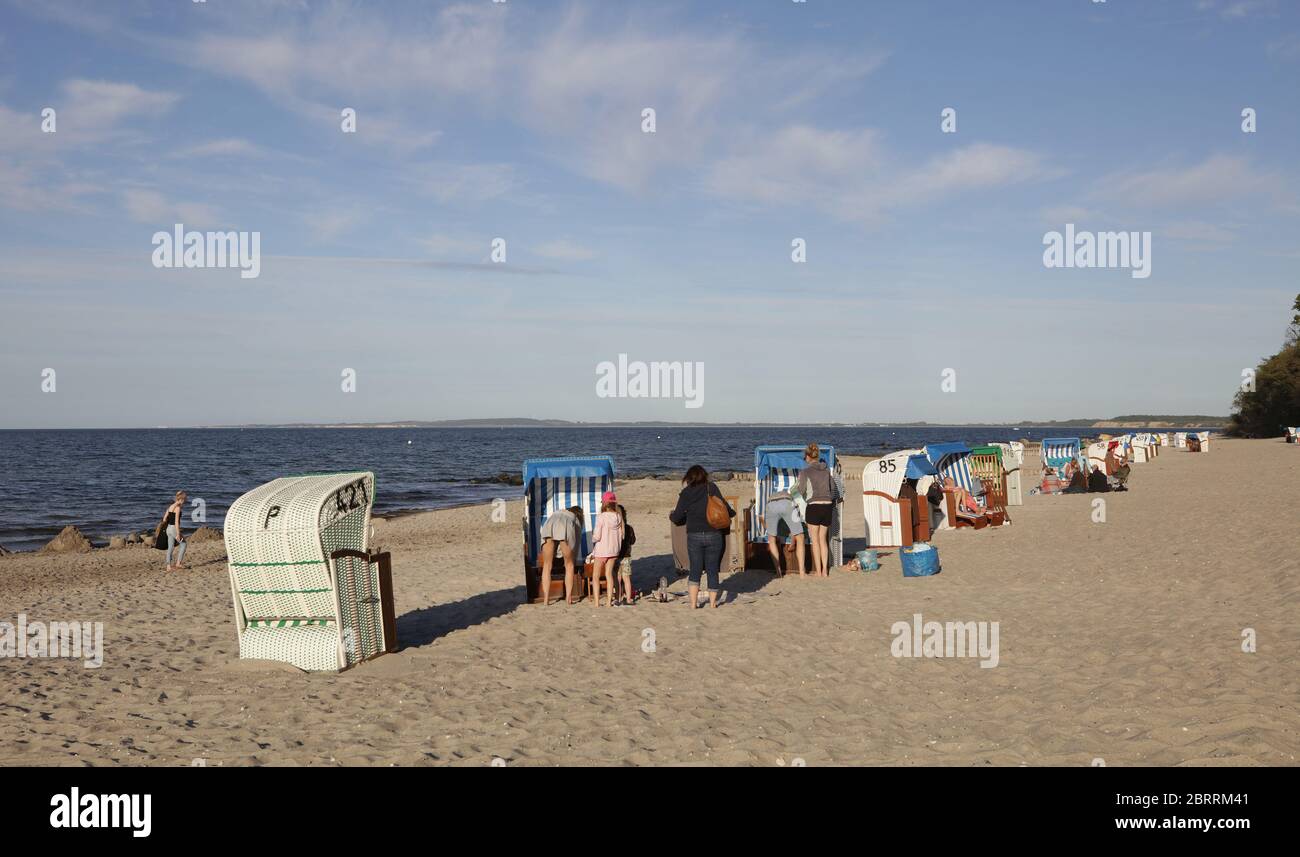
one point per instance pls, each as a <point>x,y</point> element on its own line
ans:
<point>920,560</point>
<point>868,560</point>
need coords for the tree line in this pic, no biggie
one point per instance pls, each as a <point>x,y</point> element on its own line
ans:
<point>1270,401</point>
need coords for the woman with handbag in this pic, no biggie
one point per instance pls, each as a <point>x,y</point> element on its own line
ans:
<point>171,525</point>
<point>707,518</point>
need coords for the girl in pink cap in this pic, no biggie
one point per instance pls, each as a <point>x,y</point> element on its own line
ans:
<point>608,537</point>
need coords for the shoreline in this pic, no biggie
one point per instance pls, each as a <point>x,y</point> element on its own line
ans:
<point>102,541</point>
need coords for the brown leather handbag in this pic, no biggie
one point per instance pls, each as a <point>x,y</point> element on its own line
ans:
<point>716,514</point>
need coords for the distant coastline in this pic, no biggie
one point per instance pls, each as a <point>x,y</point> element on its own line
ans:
<point>1137,422</point>
<point>1144,421</point>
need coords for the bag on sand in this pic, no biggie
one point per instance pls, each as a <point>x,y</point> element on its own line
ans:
<point>716,514</point>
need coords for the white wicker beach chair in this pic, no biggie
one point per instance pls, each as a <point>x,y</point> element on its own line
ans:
<point>293,602</point>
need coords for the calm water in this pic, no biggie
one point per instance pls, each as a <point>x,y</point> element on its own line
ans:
<point>110,482</point>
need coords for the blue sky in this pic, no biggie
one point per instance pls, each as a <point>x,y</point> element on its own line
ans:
<point>522,120</point>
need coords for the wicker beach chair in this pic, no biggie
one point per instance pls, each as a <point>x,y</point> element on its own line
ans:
<point>775,469</point>
<point>551,484</point>
<point>307,590</point>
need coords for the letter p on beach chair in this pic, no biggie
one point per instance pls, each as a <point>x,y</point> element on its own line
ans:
<point>307,590</point>
<point>551,484</point>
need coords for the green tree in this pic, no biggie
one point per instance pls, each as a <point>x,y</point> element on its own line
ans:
<point>1275,401</point>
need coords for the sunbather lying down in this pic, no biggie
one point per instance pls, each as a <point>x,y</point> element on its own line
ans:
<point>966,505</point>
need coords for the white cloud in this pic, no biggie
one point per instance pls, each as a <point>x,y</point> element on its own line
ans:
<point>1236,9</point>
<point>450,182</point>
<point>1058,214</point>
<point>577,80</point>
<point>230,147</point>
<point>1217,178</point>
<point>90,110</point>
<point>1286,48</point>
<point>565,250</point>
<point>973,167</point>
<point>1199,231</point>
<point>850,174</point>
<point>327,224</point>
<point>151,207</point>
<point>444,246</point>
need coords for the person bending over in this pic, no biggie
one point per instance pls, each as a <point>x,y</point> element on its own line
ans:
<point>563,529</point>
<point>781,508</point>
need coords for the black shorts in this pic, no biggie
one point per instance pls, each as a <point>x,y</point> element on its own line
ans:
<point>819,514</point>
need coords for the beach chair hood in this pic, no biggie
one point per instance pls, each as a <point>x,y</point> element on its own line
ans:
<point>939,453</point>
<point>1057,451</point>
<point>592,467</point>
<point>769,458</point>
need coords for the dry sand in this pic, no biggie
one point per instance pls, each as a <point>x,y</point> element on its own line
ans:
<point>1118,640</point>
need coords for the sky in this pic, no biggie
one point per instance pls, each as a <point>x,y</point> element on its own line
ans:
<point>922,294</point>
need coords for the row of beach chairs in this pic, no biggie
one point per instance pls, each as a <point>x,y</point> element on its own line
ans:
<point>308,589</point>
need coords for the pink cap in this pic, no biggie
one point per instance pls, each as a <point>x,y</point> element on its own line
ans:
<point>608,497</point>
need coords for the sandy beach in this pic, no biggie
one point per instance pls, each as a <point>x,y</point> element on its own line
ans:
<point>1119,641</point>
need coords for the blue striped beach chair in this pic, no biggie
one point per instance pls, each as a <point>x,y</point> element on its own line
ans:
<point>306,589</point>
<point>952,460</point>
<point>1057,452</point>
<point>775,469</point>
<point>551,484</point>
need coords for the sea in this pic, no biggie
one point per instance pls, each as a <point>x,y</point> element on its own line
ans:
<point>114,481</point>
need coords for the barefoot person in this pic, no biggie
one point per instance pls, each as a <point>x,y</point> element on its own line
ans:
<point>781,508</point>
<point>818,484</point>
<point>562,528</point>
<point>705,545</point>
<point>607,538</point>
<point>174,537</point>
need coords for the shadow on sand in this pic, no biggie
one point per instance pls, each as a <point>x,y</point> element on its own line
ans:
<point>423,626</point>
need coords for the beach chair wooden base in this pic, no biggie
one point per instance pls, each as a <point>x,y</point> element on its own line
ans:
<point>978,522</point>
<point>534,583</point>
<point>757,556</point>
